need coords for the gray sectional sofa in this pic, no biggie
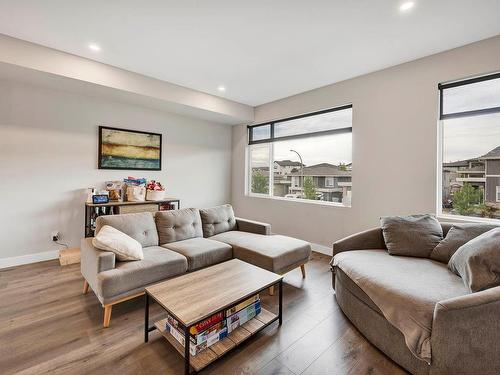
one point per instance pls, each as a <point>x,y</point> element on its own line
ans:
<point>464,326</point>
<point>180,241</point>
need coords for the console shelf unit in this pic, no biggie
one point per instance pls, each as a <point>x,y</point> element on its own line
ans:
<point>92,210</point>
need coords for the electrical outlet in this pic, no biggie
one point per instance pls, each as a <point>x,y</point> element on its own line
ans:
<point>54,235</point>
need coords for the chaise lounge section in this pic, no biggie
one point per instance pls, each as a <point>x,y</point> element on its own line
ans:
<point>179,241</point>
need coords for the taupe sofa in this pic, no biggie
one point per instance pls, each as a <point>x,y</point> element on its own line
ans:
<point>465,336</point>
<point>180,241</point>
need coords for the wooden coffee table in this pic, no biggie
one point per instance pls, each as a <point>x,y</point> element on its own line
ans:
<point>195,296</point>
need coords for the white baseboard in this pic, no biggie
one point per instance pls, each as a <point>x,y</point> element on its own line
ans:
<point>54,254</point>
<point>29,258</point>
<point>321,249</point>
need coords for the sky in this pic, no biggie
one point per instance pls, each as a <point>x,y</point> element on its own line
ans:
<point>333,149</point>
<point>470,137</point>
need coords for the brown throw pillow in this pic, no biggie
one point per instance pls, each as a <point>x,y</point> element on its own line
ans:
<point>478,261</point>
<point>414,235</point>
<point>458,235</point>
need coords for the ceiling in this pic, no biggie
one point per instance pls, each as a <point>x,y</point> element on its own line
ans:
<point>259,50</point>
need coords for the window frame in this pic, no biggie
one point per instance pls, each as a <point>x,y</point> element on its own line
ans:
<point>251,143</point>
<point>477,112</point>
<point>272,138</point>
<point>440,148</point>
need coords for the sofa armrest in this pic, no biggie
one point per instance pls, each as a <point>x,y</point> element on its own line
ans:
<point>253,226</point>
<point>466,334</point>
<point>368,239</point>
<point>94,261</point>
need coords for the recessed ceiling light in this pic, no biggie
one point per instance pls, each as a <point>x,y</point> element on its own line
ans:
<point>221,88</point>
<point>94,47</point>
<point>406,6</point>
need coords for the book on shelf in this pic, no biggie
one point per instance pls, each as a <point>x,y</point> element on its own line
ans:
<point>200,337</point>
<point>241,317</point>
<point>242,305</point>
<point>201,326</point>
<point>208,339</point>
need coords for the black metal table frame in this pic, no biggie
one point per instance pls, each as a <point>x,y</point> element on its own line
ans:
<point>148,328</point>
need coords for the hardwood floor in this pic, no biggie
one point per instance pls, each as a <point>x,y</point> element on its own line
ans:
<point>48,326</point>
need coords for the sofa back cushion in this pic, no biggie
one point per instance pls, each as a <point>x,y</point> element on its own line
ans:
<point>140,226</point>
<point>413,235</point>
<point>178,225</point>
<point>458,235</point>
<point>478,261</point>
<point>218,219</point>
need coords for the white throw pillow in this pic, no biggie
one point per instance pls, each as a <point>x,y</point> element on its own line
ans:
<point>124,246</point>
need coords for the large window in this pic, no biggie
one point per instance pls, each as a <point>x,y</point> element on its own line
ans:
<point>470,147</point>
<point>307,157</point>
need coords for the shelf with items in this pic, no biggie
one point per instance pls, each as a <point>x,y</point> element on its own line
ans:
<point>217,350</point>
<point>94,210</point>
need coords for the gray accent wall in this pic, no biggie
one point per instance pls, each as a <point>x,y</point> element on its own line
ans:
<point>395,142</point>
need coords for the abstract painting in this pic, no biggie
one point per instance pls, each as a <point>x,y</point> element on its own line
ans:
<point>129,149</point>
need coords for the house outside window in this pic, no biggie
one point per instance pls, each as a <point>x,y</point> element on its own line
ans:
<point>470,147</point>
<point>310,157</point>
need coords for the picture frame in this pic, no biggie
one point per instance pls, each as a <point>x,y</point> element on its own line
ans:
<point>125,149</point>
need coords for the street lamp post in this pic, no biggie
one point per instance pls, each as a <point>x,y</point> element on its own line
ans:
<point>301,167</point>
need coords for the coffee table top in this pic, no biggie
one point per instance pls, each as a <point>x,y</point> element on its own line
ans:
<point>198,295</point>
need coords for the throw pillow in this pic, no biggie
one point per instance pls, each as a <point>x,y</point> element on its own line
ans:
<point>458,235</point>
<point>124,246</point>
<point>478,261</point>
<point>413,235</point>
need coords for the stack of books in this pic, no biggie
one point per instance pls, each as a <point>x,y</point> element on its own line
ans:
<point>242,313</point>
<point>216,327</point>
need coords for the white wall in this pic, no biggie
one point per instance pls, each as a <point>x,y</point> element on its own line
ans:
<point>48,156</point>
<point>394,144</point>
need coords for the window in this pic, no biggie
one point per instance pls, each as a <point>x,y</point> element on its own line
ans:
<point>498,193</point>
<point>470,147</point>
<point>309,157</point>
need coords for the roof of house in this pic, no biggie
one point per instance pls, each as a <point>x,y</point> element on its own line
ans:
<point>493,154</point>
<point>459,163</point>
<point>323,169</point>
<point>288,163</point>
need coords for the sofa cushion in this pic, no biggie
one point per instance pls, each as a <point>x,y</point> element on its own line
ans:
<point>178,225</point>
<point>478,261</point>
<point>124,246</point>
<point>201,252</point>
<point>405,289</point>
<point>140,226</point>
<point>274,253</point>
<point>217,220</point>
<point>158,264</point>
<point>413,235</point>
<point>458,235</point>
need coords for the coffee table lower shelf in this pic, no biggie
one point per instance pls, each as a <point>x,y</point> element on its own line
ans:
<point>240,334</point>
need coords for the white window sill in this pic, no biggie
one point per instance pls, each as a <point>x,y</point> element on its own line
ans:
<point>297,200</point>
<point>467,219</point>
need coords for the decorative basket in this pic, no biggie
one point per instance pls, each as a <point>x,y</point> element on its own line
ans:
<point>136,193</point>
<point>155,195</point>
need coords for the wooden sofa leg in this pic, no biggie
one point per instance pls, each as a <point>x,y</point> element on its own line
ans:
<point>85,287</point>
<point>303,269</point>
<point>107,315</point>
<point>271,290</point>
